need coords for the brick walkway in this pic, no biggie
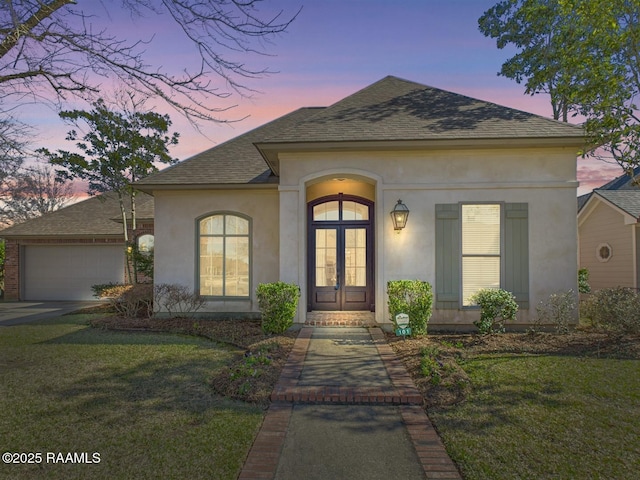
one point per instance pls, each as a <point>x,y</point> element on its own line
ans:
<point>262,461</point>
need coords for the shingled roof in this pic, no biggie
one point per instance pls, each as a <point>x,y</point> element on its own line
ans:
<point>96,216</point>
<point>628,184</point>
<point>236,161</point>
<point>394,109</point>
<point>390,110</point>
<point>626,200</point>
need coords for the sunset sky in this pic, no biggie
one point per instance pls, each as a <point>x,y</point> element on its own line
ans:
<point>332,49</point>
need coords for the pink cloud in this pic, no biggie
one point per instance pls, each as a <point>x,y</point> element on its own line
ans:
<point>593,173</point>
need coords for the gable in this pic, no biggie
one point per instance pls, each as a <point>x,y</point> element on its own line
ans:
<point>625,203</point>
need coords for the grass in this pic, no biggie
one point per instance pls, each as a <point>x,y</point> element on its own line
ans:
<point>141,400</point>
<point>544,417</point>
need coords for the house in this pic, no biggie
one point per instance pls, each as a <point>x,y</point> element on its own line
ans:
<point>307,199</point>
<point>609,233</point>
<point>60,255</point>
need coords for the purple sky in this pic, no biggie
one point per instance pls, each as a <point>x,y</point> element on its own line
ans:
<point>333,49</point>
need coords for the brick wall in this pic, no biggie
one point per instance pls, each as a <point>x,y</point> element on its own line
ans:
<point>11,270</point>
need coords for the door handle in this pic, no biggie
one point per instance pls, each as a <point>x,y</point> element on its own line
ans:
<point>337,286</point>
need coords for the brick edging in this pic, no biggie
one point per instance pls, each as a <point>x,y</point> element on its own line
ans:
<point>262,460</point>
<point>429,447</point>
<point>403,392</point>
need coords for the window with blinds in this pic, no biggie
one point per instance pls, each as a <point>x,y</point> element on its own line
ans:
<point>481,248</point>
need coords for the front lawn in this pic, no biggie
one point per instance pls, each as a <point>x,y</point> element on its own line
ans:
<point>533,407</point>
<point>142,401</point>
<point>546,417</point>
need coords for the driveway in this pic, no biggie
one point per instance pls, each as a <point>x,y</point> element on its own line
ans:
<point>17,313</point>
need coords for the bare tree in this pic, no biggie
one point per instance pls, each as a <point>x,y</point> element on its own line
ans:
<point>34,191</point>
<point>56,46</point>
<point>13,147</point>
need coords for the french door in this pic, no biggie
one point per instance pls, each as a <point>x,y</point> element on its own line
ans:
<point>341,254</point>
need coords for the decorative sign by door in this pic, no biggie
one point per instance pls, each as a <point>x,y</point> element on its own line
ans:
<point>402,324</point>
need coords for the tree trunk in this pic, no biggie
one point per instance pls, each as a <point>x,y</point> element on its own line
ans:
<point>123,211</point>
<point>134,226</point>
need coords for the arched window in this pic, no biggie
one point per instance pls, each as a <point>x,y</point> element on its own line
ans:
<point>224,255</point>
<point>145,244</point>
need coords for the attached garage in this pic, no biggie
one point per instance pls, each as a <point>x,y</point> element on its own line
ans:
<point>60,255</point>
<point>64,272</point>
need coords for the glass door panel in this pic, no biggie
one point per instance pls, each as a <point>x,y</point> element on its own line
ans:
<point>326,257</point>
<point>355,257</point>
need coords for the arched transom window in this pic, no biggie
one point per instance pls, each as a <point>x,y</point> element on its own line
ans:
<point>224,255</point>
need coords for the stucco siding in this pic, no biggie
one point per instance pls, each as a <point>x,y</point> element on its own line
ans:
<point>176,214</point>
<point>543,178</point>
<point>441,167</point>
<point>604,224</point>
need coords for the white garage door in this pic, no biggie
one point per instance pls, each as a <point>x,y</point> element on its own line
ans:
<point>53,272</point>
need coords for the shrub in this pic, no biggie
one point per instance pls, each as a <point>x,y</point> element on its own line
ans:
<point>496,306</point>
<point>136,301</point>
<point>127,300</point>
<point>278,303</point>
<point>413,297</point>
<point>583,281</point>
<point>109,290</point>
<point>614,309</point>
<point>177,300</point>
<point>559,310</point>
<point>430,366</point>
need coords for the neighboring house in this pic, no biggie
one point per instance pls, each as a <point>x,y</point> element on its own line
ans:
<point>307,198</point>
<point>609,233</point>
<point>60,255</point>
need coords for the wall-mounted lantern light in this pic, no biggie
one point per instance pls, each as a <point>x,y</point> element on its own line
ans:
<point>399,216</point>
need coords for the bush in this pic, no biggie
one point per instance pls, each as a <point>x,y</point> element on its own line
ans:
<point>614,309</point>
<point>109,290</point>
<point>177,300</point>
<point>278,303</point>
<point>430,366</point>
<point>559,310</point>
<point>413,297</point>
<point>583,281</point>
<point>128,301</point>
<point>496,306</point>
